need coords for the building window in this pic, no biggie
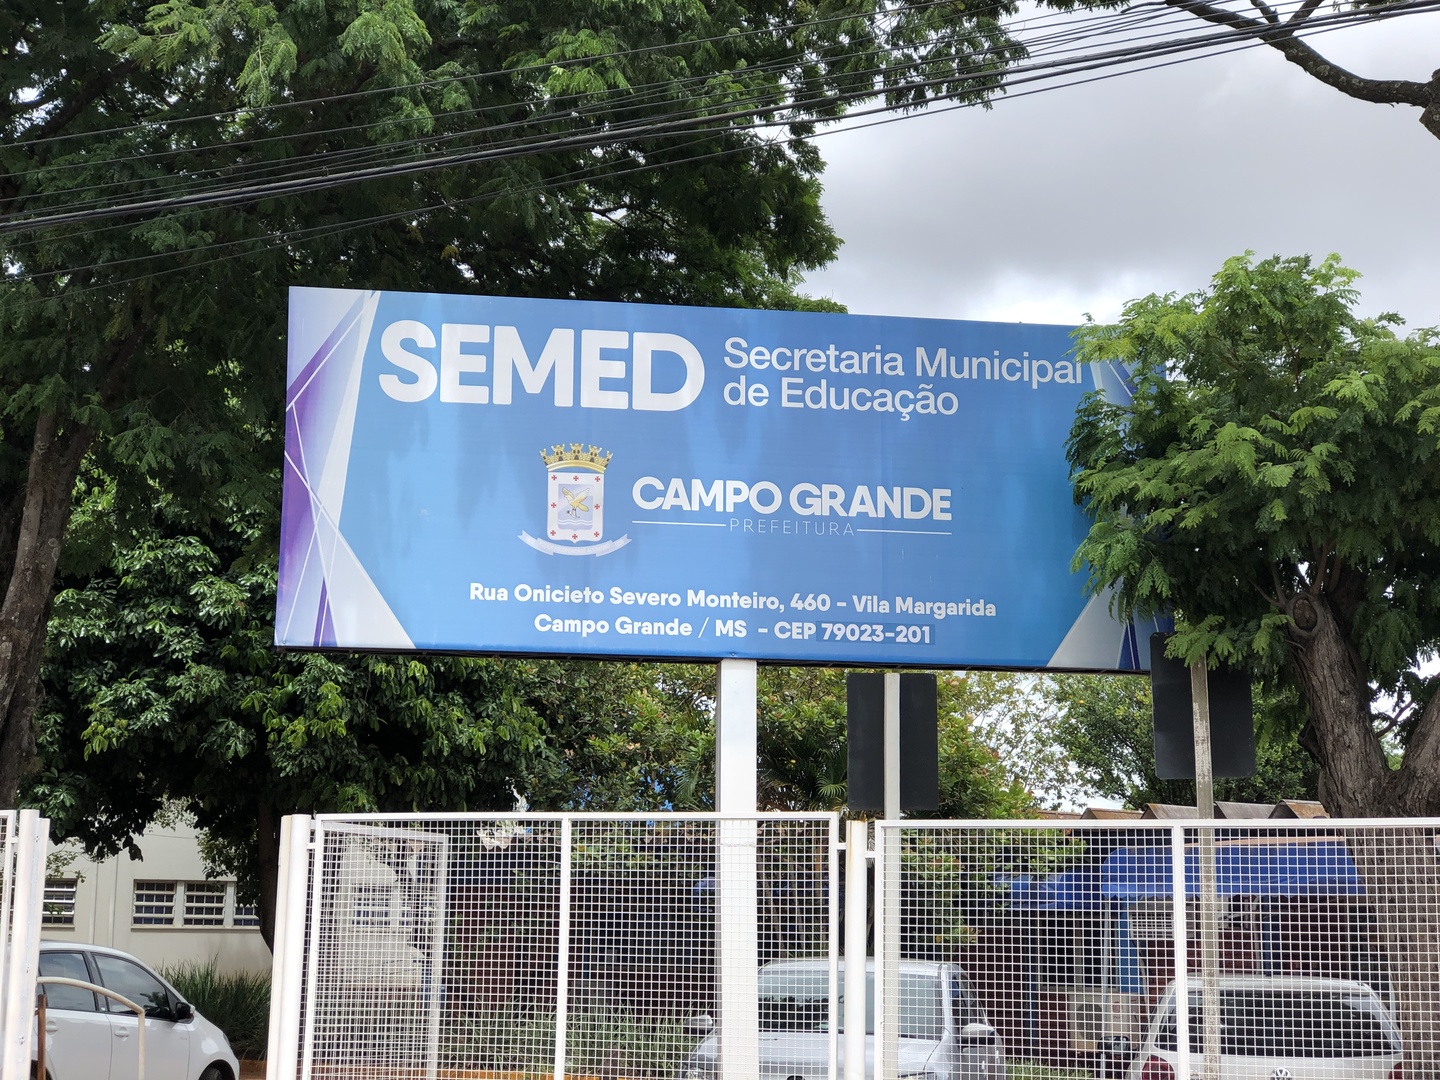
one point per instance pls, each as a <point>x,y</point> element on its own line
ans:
<point>191,904</point>
<point>205,903</point>
<point>246,916</point>
<point>59,907</point>
<point>155,903</point>
<point>372,906</point>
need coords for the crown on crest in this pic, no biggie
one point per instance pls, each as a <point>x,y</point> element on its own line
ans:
<point>576,456</point>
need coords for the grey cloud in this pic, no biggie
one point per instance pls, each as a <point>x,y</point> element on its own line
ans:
<point>1075,200</point>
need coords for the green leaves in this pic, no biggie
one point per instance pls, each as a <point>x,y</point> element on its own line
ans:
<point>163,688</point>
<point>1276,446</point>
<point>1104,729</point>
<point>804,755</point>
<point>273,60</point>
<point>155,339</point>
<point>385,34</point>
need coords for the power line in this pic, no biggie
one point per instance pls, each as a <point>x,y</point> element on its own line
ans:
<point>329,161</point>
<point>752,117</point>
<point>547,65</point>
<point>638,98</point>
<point>885,115</point>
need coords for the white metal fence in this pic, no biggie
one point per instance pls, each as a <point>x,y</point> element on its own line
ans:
<point>611,946</point>
<point>622,947</point>
<point>1159,950</point>
<point>23,837</point>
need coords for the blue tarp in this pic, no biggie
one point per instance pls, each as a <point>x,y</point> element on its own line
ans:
<point>1301,868</point>
<point>1310,868</point>
<point>1073,890</point>
<point>1297,868</point>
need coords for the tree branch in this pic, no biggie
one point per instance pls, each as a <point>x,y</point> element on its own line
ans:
<point>1378,91</point>
<point>1280,597</point>
<point>1423,95</point>
<point>1217,15</point>
<point>1394,720</point>
<point>1430,118</point>
<point>1302,13</point>
<point>57,121</point>
<point>1266,10</point>
<point>1337,566</point>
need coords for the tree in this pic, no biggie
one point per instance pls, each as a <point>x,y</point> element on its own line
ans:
<point>1289,33</point>
<point>1074,738</point>
<point>163,690</point>
<point>804,754</point>
<point>1108,731</point>
<point>1275,480</point>
<point>166,170</point>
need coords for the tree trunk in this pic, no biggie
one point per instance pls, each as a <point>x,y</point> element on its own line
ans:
<point>267,831</point>
<point>1402,882</point>
<point>55,458</point>
<point>1354,775</point>
<point>1398,866</point>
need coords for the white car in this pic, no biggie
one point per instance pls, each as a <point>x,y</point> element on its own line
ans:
<point>944,1034</point>
<point>91,1037</point>
<point>1293,1027</point>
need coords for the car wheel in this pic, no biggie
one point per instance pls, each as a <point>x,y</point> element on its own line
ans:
<point>213,1072</point>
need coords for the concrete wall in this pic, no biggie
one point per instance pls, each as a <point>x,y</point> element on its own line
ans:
<point>106,912</point>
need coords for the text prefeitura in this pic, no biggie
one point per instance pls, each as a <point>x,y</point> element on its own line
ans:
<point>477,364</point>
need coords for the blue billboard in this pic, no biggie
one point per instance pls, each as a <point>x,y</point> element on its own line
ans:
<point>492,475</point>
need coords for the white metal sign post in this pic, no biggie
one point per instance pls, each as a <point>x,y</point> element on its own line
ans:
<point>887,937</point>
<point>887,895</point>
<point>287,995</point>
<point>1209,902</point>
<point>736,910</point>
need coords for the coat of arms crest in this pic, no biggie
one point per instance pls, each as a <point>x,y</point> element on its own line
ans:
<point>574,502</point>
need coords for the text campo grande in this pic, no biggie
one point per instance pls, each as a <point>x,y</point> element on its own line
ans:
<point>764,497</point>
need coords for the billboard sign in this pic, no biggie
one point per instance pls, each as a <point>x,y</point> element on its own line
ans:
<point>480,474</point>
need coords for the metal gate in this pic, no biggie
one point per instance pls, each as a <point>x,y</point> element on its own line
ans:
<point>564,945</point>
<point>22,892</point>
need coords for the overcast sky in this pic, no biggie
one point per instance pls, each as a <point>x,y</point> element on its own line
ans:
<point>1075,200</point>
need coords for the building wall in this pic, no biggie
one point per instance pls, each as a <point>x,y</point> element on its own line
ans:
<point>160,908</point>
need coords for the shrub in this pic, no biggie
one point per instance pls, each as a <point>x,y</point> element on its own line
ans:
<point>236,1002</point>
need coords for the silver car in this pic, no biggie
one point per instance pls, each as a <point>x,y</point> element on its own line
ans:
<point>943,1035</point>
<point>1288,1026</point>
<point>91,1037</point>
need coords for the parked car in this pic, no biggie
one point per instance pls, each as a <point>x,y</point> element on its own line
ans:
<point>1282,1026</point>
<point>943,1035</point>
<point>92,1037</point>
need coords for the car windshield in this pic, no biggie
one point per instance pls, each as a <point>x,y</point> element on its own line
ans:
<point>1292,1022</point>
<point>798,999</point>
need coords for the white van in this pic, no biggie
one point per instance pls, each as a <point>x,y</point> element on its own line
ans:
<point>944,1034</point>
